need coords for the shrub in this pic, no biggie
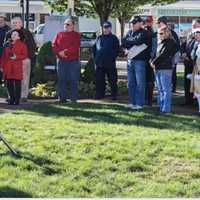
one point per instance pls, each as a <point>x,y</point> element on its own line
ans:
<point>43,90</point>
<point>45,57</point>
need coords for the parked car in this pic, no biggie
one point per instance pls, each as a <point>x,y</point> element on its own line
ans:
<point>39,35</point>
<point>88,39</point>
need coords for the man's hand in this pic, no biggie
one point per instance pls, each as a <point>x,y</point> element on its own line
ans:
<point>152,65</point>
<point>13,57</point>
<point>63,54</point>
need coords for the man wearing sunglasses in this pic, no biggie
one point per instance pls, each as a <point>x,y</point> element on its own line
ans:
<point>162,23</point>
<point>66,45</point>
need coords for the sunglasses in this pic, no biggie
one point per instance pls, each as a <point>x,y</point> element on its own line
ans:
<point>161,33</point>
<point>68,24</point>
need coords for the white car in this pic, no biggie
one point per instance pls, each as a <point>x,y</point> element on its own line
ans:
<point>39,35</point>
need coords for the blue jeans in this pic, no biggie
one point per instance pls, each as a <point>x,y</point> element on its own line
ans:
<point>136,81</point>
<point>68,72</point>
<point>164,85</point>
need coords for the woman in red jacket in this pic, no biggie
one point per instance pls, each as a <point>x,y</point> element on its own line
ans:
<point>11,63</point>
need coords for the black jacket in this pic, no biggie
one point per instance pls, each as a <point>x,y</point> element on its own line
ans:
<point>165,53</point>
<point>137,38</point>
<point>3,32</point>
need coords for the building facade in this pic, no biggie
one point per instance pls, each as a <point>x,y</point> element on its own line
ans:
<point>38,10</point>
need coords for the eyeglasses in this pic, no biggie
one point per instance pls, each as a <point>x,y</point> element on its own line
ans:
<point>67,24</point>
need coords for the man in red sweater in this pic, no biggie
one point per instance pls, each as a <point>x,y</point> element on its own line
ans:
<point>66,46</point>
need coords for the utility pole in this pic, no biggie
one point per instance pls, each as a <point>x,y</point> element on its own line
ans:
<point>22,6</point>
<point>71,7</point>
<point>27,14</point>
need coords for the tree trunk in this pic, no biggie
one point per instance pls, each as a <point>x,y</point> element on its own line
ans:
<point>122,26</point>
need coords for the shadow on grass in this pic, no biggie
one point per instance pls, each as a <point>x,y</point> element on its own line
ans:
<point>117,114</point>
<point>7,192</point>
<point>46,165</point>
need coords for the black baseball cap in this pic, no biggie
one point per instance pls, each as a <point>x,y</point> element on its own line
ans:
<point>135,20</point>
<point>107,24</point>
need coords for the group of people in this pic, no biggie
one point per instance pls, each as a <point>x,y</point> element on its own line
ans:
<point>17,57</point>
<point>152,56</point>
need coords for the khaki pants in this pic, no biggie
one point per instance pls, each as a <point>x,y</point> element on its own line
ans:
<point>26,78</point>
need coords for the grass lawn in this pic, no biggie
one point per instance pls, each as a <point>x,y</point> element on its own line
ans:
<point>99,150</point>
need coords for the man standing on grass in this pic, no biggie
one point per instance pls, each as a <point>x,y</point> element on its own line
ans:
<point>105,52</point>
<point>136,43</point>
<point>66,45</point>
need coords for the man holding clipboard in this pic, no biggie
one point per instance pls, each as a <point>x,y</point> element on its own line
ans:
<point>136,43</point>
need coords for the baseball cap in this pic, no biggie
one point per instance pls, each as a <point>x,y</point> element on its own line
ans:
<point>135,20</point>
<point>107,24</point>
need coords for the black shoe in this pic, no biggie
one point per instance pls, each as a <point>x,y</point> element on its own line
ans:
<point>114,98</point>
<point>16,102</point>
<point>61,101</point>
<point>11,102</point>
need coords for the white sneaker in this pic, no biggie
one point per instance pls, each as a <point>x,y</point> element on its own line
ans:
<point>137,107</point>
<point>130,106</point>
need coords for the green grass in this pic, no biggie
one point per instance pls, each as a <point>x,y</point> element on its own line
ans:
<point>99,150</point>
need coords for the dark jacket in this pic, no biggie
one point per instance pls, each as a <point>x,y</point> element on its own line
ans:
<point>28,40</point>
<point>3,32</point>
<point>105,50</point>
<point>175,37</point>
<point>166,50</point>
<point>137,38</point>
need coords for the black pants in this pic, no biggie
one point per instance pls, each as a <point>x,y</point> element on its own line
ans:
<point>101,73</point>
<point>188,70</point>
<point>149,86</point>
<point>14,90</point>
<point>174,79</point>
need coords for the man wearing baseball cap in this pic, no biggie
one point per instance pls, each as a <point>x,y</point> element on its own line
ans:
<point>105,51</point>
<point>136,38</point>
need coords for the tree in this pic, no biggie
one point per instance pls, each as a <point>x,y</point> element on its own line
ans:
<point>121,9</point>
<point>102,8</point>
<point>124,10</point>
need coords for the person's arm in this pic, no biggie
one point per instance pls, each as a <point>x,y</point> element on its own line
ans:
<point>55,44</point>
<point>23,54</point>
<point>176,38</point>
<point>169,51</point>
<point>116,47</point>
<point>141,38</point>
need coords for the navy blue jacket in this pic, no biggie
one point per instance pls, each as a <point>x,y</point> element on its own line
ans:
<point>105,50</point>
<point>3,32</point>
<point>138,37</point>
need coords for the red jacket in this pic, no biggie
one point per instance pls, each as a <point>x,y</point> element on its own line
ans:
<point>69,41</point>
<point>13,69</point>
